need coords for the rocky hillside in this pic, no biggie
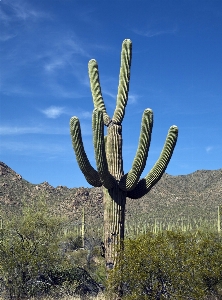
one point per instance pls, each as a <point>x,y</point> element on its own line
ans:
<point>70,202</point>
<point>193,195</point>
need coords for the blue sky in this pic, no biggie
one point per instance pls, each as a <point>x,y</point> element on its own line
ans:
<point>176,71</point>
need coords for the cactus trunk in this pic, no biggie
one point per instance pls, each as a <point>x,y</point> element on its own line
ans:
<point>114,217</point>
<point>114,199</point>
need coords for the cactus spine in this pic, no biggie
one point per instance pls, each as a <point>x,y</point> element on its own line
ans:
<point>108,154</point>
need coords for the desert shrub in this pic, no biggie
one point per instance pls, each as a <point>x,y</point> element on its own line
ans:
<point>75,242</point>
<point>32,261</point>
<point>169,265</point>
<point>29,247</point>
<point>75,280</point>
<point>90,259</point>
<point>71,242</point>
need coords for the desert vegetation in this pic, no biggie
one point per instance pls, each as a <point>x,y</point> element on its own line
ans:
<point>42,257</point>
<point>42,254</point>
<point>37,258</point>
<point>170,265</point>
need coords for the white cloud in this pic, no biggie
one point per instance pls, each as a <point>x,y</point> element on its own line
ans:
<point>30,149</point>
<point>154,32</point>
<point>75,46</point>
<point>132,99</point>
<point>85,115</point>
<point>54,64</point>
<point>105,92</point>
<point>12,11</point>
<point>6,37</point>
<point>4,17</point>
<point>65,60</point>
<point>7,130</point>
<point>58,90</point>
<point>60,53</point>
<point>63,54</point>
<point>209,148</point>
<point>53,112</point>
<point>8,89</point>
<point>16,130</point>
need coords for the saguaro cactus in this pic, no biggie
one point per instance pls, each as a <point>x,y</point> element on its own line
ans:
<point>108,154</point>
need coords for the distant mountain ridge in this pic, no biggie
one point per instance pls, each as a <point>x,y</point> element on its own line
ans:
<point>195,195</point>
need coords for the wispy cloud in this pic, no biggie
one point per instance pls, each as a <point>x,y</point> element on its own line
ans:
<point>58,90</point>
<point>56,56</point>
<point>57,63</point>
<point>86,127</point>
<point>62,61</point>
<point>30,149</point>
<point>19,130</point>
<point>209,148</point>
<point>63,54</point>
<point>85,115</point>
<point>10,89</point>
<point>154,32</point>
<point>18,10</point>
<point>54,70</point>
<point>108,93</point>
<point>6,37</point>
<point>53,112</point>
<point>4,17</point>
<point>7,130</point>
<point>132,98</point>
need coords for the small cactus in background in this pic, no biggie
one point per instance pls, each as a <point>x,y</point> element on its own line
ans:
<point>108,154</point>
<point>219,213</point>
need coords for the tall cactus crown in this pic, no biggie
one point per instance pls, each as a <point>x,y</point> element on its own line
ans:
<point>123,88</point>
<point>130,182</point>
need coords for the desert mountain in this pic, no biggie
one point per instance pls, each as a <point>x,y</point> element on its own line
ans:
<point>196,195</point>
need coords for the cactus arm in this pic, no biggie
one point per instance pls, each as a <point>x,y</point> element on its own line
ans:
<point>124,78</point>
<point>88,171</point>
<point>100,154</point>
<point>96,90</point>
<point>145,184</point>
<point>129,181</point>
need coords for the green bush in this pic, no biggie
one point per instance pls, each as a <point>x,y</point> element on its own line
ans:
<point>32,259</point>
<point>29,247</point>
<point>169,265</point>
<point>90,259</point>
